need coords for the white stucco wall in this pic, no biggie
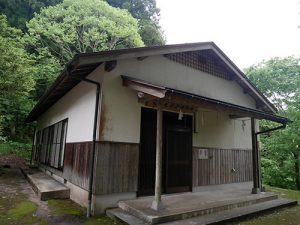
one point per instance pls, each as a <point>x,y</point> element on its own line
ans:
<point>162,71</point>
<point>217,130</point>
<point>123,112</point>
<point>78,106</point>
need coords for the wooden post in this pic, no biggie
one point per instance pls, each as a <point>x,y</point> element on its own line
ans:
<point>255,160</point>
<point>156,204</point>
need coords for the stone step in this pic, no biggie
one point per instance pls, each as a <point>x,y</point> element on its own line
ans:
<point>46,186</point>
<point>193,209</point>
<point>214,218</point>
<point>237,213</point>
<point>120,214</point>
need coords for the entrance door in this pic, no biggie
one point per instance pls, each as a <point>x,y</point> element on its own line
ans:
<point>146,180</point>
<point>177,153</point>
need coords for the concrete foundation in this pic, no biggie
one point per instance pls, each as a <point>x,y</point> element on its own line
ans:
<point>220,187</point>
<point>45,186</point>
<point>102,202</point>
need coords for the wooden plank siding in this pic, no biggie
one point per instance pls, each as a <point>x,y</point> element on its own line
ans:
<point>76,164</point>
<point>116,167</point>
<point>219,168</point>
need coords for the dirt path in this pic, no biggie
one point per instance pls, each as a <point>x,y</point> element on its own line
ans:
<point>20,205</point>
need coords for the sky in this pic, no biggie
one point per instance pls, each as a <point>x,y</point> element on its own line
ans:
<point>248,31</point>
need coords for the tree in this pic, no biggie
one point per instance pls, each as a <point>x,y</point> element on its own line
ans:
<point>19,12</point>
<point>77,26</point>
<point>16,81</point>
<point>279,80</point>
<point>146,12</point>
<point>58,32</point>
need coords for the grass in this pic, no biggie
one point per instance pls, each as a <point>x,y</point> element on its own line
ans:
<point>22,209</point>
<point>287,216</point>
<point>65,207</point>
<point>22,150</point>
<point>15,209</point>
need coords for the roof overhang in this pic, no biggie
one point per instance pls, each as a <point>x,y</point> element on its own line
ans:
<point>192,102</point>
<point>84,63</point>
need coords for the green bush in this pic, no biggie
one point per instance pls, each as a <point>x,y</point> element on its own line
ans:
<point>278,174</point>
<point>22,150</point>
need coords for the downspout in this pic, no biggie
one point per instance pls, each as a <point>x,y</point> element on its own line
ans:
<point>264,132</point>
<point>271,129</point>
<point>90,188</point>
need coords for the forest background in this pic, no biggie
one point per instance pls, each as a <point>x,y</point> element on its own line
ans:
<point>38,37</point>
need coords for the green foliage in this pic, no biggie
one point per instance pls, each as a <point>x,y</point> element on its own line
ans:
<point>63,207</point>
<point>22,209</point>
<point>77,26</point>
<point>16,81</point>
<point>22,150</point>
<point>279,79</point>
<point>19,12</point>
<point>146,12</point>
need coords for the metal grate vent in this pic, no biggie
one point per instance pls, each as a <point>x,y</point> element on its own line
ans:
<point>204,61</point>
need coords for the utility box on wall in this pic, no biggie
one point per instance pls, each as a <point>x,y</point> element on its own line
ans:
<point>203,154</point>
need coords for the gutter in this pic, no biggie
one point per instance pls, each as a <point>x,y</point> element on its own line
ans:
<point>282,126</point>
<point>271,129</point>
<point>92,163</point>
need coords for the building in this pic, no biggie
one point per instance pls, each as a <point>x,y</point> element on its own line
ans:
<point>149,121</point>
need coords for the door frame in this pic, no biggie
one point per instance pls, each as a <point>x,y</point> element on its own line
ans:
<point>164,163</point>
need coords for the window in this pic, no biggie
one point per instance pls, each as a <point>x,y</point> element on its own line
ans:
<point>52,141</point>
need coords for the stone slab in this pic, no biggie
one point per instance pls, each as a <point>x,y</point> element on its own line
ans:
<point>119,214</point>
<point>236,214</point>
<point>45,186</point>
<point>214,218</point>
<point>183,206</point>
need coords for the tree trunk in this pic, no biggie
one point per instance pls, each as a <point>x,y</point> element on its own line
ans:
<point>12,130</point>
<point>297,175</point>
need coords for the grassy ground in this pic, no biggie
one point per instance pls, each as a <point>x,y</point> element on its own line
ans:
<point>287,216</point>
<point>19,205</point>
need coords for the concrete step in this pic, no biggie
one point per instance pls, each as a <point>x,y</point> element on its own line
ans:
<point>194,209</point>
<point>120,214</point>
<point>235,214</point>
<point>214,218</point>
<point>45,186</point>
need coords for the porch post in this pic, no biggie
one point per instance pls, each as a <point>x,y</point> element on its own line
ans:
<point>156,204</point>
<point>255,159</point>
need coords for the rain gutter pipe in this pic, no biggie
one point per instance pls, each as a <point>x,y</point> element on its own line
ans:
<point>272,129</point>
<point>264,132</point>
<point>91,172</point>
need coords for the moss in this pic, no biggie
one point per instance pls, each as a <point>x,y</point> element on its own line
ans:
<point>102,220</point>
<point>287,216</point>
<point>285,193</point>
<point>22,209</point>
<point>22,213</point>
<point>65,207</point>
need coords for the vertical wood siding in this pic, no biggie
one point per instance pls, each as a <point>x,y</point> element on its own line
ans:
<point>117,167</point>
<point>77,163</point>
<point>223,166</point>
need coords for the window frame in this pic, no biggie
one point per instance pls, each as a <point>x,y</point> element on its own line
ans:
<point>53,144</point>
